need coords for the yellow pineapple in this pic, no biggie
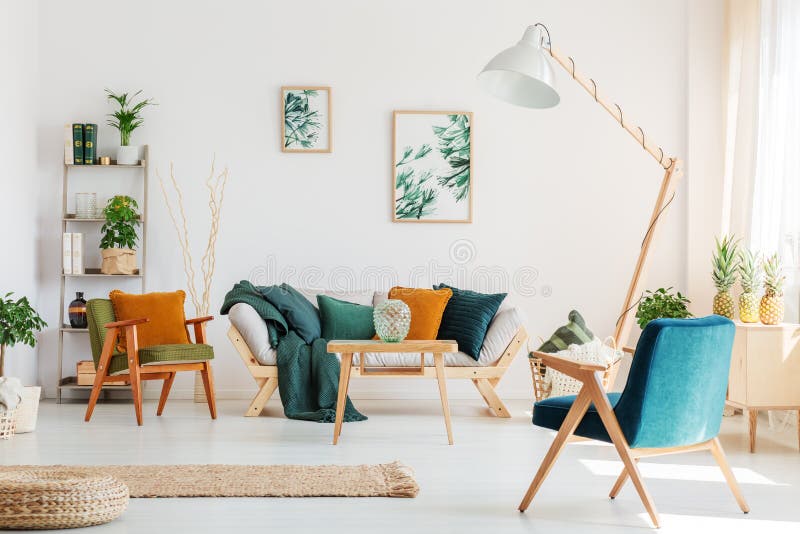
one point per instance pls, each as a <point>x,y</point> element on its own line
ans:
<point>725,263</point>
<point>750,279</point>
<point>771,309</point>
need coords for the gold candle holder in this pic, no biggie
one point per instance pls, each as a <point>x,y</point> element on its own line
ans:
<point>105,160</point>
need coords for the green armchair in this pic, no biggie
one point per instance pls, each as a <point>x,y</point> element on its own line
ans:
<point>158,362</point>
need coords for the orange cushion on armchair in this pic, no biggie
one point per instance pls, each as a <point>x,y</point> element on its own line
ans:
<point>427,307</point>
<point>167,324</point>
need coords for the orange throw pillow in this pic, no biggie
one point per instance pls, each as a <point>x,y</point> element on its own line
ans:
<point>167,324</point>
<point>427,307</point>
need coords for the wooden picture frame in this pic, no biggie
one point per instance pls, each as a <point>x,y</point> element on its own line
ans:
<point>320,137</point>
<point>439,192</point>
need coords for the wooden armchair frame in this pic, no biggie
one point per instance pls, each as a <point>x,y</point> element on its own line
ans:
<point>593,392</point>
<point>137,372</point>
<point>485,379</point>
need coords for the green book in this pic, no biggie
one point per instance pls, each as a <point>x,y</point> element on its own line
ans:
<point>77,143</point>
<point>89,143</point>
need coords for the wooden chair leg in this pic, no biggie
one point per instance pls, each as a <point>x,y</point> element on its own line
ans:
<point>571,421</point>
<point>606,413</point>
<point>490,396</point>
<point>165,393</point>
<point>101,372</point>
<point>266,390</point>
<point>621,480</point>
<point>208,385</point>
<point>136,390</point>
<point>719,456</point>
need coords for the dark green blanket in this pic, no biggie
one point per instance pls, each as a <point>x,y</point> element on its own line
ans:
<point>308,375</point>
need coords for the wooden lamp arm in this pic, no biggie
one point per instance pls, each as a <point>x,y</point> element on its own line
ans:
<point>670,165</point>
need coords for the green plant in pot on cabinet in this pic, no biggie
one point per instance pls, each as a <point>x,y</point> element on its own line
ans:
<point>19,323</point>
<point>661,303</point>
<point>119,236</point>
<point>126,119</point>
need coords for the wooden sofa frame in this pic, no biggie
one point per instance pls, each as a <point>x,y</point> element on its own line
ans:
<point>485,378</point>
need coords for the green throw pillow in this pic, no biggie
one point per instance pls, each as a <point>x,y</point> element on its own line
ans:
<point>574,332</point>
<point>300,314</point>
<point>466,318</point>
<point>345,320</point>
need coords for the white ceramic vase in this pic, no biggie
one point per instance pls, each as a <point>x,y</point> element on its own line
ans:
<point>127,155</point>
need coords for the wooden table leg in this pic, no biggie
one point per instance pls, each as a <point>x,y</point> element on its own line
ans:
<point>752,415</point>
<point>438,360</point>
<point>344,380</point>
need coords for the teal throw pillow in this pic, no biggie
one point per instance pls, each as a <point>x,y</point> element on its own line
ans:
<point>300,314</point>
<point>466,318</point>
<point>345,320</point>
<point>574,332</point>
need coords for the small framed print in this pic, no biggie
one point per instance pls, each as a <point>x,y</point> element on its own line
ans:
<point>432,166</point>
<point>306,124</point>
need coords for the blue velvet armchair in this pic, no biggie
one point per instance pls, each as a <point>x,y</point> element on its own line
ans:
<point>672,402</point>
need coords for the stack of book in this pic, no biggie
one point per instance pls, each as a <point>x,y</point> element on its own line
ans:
<point>72,253</point>
<point>80,142</point>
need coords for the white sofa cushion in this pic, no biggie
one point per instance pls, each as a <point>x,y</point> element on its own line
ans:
<point>254,332</point>
<point>501,331</point>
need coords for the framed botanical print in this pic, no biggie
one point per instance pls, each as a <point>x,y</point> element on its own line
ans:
<point>306,119</point>
<point>432,166</point>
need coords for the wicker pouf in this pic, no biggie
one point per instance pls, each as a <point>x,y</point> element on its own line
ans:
<point>49,499</point>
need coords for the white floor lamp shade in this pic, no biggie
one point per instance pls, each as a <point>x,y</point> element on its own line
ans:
<point>522,75</point>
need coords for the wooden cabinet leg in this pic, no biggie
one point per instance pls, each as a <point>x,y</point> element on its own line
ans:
<point>752,414</point>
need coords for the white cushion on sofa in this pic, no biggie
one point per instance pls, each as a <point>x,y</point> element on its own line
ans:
<point>254,332</point>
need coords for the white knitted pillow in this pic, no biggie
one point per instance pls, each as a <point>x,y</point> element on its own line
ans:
<point>596,352</point>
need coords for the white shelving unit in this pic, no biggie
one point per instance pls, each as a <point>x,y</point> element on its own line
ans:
<point>70,223</point>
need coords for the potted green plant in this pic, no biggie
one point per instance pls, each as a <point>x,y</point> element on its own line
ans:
<point>661,303</point>
<point>19,323</point>
<point>126,119</point>
<point>119,235</point>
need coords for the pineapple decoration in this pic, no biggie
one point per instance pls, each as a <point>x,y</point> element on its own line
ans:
<point>750,278</point>
<point>725,264</point>
<point>771,309</point>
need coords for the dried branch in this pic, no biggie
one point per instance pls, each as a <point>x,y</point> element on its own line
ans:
<point>216,186</point>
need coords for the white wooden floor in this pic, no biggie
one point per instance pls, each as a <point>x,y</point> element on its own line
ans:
<point>472,486</point>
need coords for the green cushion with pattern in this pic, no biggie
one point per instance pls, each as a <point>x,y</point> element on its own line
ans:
<point>574,332</point>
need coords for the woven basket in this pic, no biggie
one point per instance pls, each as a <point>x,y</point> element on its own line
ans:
<point>541,390</point>
<point>28,409</point>
<point>42,499</point>
<point>8,423</point>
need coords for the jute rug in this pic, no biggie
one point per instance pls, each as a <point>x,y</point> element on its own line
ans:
<point>381,480</point>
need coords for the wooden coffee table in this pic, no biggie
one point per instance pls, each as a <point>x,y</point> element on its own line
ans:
<point>349,347</point>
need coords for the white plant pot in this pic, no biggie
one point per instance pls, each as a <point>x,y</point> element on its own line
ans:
<point>127,155</point>
<point>28,409</point>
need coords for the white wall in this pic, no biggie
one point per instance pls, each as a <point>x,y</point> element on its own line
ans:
<point>564,191</point>
<point>705,140</point>
<point>19,220</point>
